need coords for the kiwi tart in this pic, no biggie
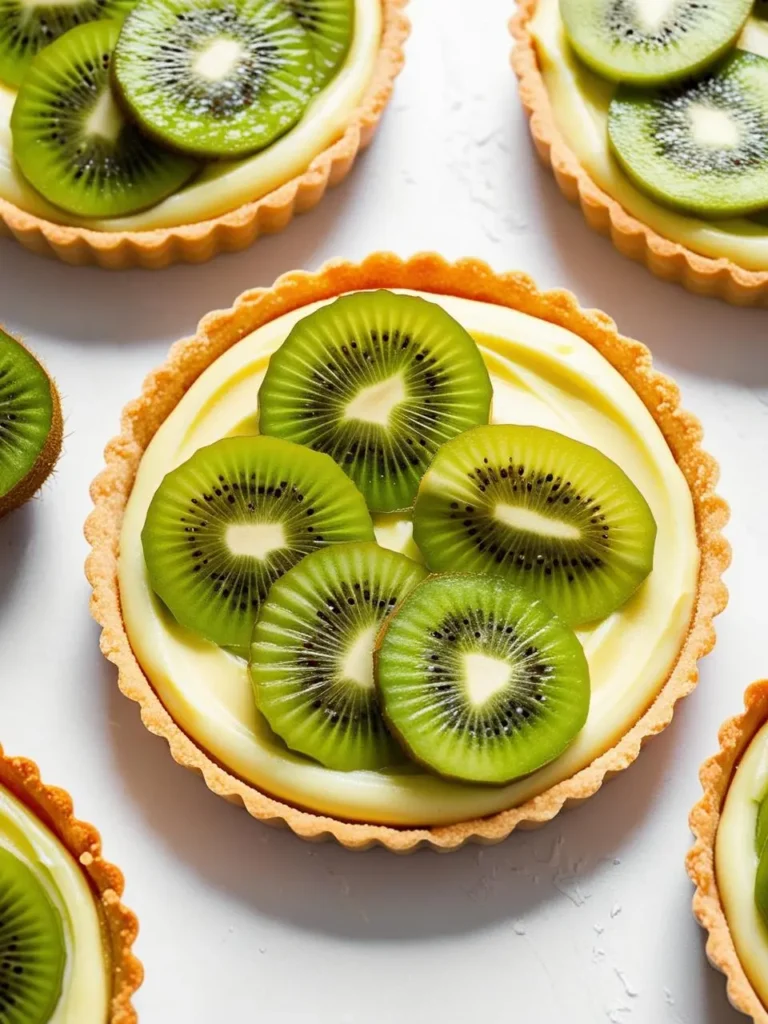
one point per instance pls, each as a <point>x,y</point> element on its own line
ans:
<point>540,711</point>
<point>65,935</point>
<point>656,121</point>
<point>160,130</point>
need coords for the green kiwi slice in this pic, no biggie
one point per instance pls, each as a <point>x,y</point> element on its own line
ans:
<point>311,659</point>
<point>330,25</point>
<point>223,526</point>
<point>545,511</point>
<point>479,680</point>
<point>215,78</point>
<point>27,28</point>
<point>378,381</point>
<point>74,144</point>
<point>30,424</point>
<point>701,147</point>
<point>644,43</point>
<point>761,830</point>
<point>32,946</point>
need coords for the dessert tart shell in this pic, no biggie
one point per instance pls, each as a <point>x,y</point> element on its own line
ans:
<point>718,278</point>
<point>54,808</point>
<point>236,230</point>
<point>716,775</point>
<point>427,272</point>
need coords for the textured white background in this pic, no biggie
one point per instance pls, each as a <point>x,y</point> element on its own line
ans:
<point>587,920</point>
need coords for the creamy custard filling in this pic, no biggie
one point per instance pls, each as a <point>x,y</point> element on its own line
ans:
<point>86,988</point>
<point>736,862</point>
<point>580,101</point>
<point>543,375</point>
<point>222,187</point>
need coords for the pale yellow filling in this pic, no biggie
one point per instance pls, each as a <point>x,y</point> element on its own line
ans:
<point>222,187</point>
<point>86,990</point>
<point>736,862</point>
<point>580,101</point>
<point>542,375</point>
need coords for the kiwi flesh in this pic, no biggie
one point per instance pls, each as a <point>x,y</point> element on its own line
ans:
<point>701,147</point>
<point>330,26</point>
<point>378,381</point>
<point>479,681</point>
<point>224,525</point>
<point>31,425</point>
<point>215,78</point>
<point>26,29</point>
<point>74,144</point>
<point>542,510</point>
<point>32,946</point>
<point>311,661</point>
<point>645,44</point>
<point>761,830</point>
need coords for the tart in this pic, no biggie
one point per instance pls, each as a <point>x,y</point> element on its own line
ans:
<point>224,206</point>
<point>724,861</point>
<point>552,365</point>
<point>568,104</point>
<point>79,935</point>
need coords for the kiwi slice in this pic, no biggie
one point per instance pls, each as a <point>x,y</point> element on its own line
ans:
<point>701,147</point>
<point>378,381</point>
<point>312,653</point>
<point>538,508</point>
<point>30,424</point>
<point>215,78</point>
<point>223,526</point>
<point>654,43</point>
<point>32,947</point>
<point>73,143</point>
<point>330,25</point>
<point>479,680</point>
<point>761,830</point>
<point>27,28</point>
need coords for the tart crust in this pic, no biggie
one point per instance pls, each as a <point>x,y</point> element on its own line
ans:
<point>426,272</point>
<point>716,775</point>
<point>199,242</point>
<point>720,278</point>
<point>54,808</point>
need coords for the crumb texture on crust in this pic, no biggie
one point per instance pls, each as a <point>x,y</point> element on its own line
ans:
<point>719,278</point>
<point>716,775</point>
<point>54,808</point>
<point>428,272</point>
<point>231,232</point>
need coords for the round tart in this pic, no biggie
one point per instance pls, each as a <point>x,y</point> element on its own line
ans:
<point>287,177</point>
<point>724,861</point>
<point>552,365</point>
<point>79,935</point>
<point>568,107</point>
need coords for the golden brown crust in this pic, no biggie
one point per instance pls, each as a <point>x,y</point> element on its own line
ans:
<point>716,774</point>
<point>199,242</point>
<point>672,261</point>
<point>427,272</point>
<point>54,808</point>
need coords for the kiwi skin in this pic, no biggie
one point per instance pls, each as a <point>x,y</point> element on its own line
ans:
<point>29,485</point>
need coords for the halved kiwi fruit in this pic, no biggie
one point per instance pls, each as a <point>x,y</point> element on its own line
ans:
<point>652,43</point>
<point>74,144</point>
<point>311,659</point>
<point>215,78</point>
<point>223,526</point>
<point>27,28</point>
<point>330,25</point>
<point>32,946</point>
<point>479,680</point>
<point>702,147</point>
<point>378,381</point>
<point>540,509</point>
<point>30,424</point>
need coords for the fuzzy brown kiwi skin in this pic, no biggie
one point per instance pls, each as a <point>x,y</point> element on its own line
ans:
<point>49,456</point>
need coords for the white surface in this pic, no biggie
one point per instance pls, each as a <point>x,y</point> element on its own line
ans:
<point>587,920</point>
